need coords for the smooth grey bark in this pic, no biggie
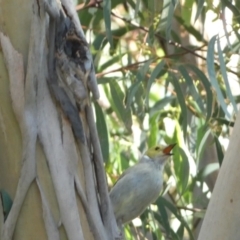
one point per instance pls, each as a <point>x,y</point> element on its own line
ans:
<point>222,217</point>
<point>54,169</point>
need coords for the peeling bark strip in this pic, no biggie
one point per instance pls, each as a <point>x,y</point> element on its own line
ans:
<point>71,78</point>
<point>64,66</point>
<point>68,76</point>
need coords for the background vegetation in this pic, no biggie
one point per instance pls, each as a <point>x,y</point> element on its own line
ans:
<point>168,72</point>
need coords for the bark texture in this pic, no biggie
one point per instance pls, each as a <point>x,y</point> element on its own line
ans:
<point>50,160</point>
<point>222,217</point>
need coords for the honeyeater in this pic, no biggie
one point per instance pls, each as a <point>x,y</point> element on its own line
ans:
<point>139,185</point>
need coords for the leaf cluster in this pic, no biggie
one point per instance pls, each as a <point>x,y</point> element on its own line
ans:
<point>162,80</point>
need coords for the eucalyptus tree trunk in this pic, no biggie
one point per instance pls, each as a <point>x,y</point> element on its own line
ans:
<point>50,159</point>
<point>222,217</point>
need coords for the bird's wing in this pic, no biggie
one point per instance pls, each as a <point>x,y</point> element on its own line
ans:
<point>125,173</point>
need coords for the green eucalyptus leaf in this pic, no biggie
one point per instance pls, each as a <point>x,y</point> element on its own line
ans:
<point>135,86</point>
<point>123,113</point>
<point>111,62</point>
<point>186,15</point>
<point>102,131</point>
<point>191,86</point>
<point>98,44</point>
<point>180,231</point>
<point>181,100</point>
<point>152,78</point>
<point>212,74</point>
<point>154,132</point>
<point>6,203</point>
<point>167,17</point>
<point>200,147</point>
<point>219,150</point>
<point>202,77</point>
<point>234,9</point>
<point>190,29</point>
<point>164,216</point>
<point>184,170</point>
<point>107,19</point>
<point>159,105</point>
<point>200,5</point>
<point>176,213</point>
<point>225,77</point>
<point>224,121</point>
<point>210,168</point>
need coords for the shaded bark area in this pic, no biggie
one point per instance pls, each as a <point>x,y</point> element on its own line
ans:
<point>47,159</point>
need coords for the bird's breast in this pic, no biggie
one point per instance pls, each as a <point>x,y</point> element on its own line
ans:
<point>139,187</point>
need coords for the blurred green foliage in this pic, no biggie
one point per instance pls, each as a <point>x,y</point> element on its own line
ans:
<point>166,77</point>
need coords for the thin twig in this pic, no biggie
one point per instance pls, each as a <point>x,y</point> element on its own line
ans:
<point>191,209</point>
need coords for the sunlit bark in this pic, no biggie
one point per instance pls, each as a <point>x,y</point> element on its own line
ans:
<point>44,166</point>
<point>222,217</point>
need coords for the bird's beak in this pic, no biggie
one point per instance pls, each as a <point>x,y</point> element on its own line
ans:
<point>167,150</point>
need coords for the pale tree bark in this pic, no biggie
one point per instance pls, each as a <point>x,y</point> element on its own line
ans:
<point>200,199</point>
<point>50,158</point>
<point>222,217</point>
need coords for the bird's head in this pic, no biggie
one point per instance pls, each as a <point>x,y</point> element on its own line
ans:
<point>160,154</point>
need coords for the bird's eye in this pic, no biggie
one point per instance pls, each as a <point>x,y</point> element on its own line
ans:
<point>157,148</point>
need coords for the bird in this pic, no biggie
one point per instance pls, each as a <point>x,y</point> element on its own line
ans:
<point>139,185</point>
